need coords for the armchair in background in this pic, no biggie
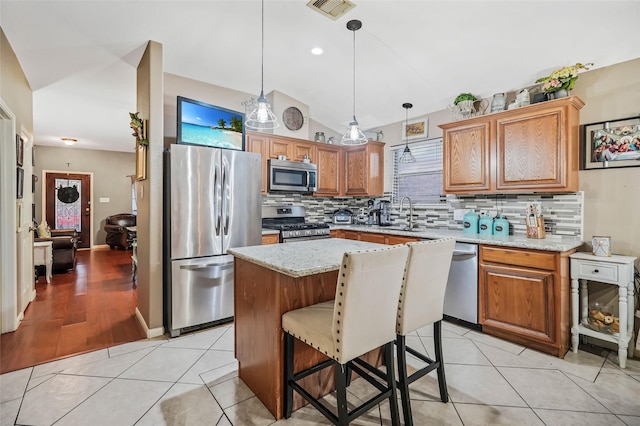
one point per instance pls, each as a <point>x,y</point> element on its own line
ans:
<point>117,233</point>
<point>64,248</point>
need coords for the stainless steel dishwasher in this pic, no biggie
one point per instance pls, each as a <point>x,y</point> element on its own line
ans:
<point>461,296</point>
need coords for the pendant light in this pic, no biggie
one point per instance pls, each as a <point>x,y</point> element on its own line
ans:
<point>262,118</point>
<point>354,135</point>
<point>407,156</point>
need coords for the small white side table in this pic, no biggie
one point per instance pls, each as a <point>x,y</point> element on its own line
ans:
<point>616,270</point>
<point>43,255</point>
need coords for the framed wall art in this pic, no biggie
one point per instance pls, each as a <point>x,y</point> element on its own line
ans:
<point>611,144</point>
<point>20,183</point>
<point>141,162</point>
<point>19,150</point>
<point>415,129</point>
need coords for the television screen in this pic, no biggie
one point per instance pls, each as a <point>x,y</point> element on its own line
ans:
<point>203,124</point>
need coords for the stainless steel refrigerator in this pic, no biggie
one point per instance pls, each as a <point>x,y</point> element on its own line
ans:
<point>213,201</point>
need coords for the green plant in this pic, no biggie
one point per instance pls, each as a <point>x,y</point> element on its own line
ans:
<point>464,97</point>
<point>562,78</point>
<point>139,128</point>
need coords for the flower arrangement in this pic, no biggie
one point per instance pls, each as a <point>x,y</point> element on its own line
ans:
<point>563,78</point>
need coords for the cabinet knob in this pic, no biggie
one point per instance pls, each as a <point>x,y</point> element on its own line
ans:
<point>595,271</point>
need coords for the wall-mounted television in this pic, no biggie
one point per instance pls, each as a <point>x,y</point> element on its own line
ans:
<point>203,124</point>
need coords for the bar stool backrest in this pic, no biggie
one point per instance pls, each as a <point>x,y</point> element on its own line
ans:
<point>425,281</point>
<point>365,306</point>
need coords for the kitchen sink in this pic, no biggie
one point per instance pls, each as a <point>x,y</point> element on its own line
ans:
<point>401,228</point>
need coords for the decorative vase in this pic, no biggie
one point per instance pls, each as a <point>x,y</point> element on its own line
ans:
<point>498,103</point>
<point>562,93</point>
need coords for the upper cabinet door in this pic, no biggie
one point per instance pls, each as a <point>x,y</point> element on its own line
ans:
<point>532,151</point>
<point>467,166</point>
<point>302,150</point>
<point>364,169</point>
<point>329,170</point>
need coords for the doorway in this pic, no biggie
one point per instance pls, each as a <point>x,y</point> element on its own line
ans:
<point>68,204</point>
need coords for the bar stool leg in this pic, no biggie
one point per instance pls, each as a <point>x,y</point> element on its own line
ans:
<point>288,374</point>
<point>442,381</point>
<point>403,382</point>
<point>391,382</point>
<point>341,390</point>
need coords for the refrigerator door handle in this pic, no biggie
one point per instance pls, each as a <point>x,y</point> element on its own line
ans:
<point>216,198</point>
<point>227,193</point>
<point>206,265</point>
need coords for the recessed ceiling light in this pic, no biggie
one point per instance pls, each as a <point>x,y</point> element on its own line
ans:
<point>69,141</point>
<point>317,51</point>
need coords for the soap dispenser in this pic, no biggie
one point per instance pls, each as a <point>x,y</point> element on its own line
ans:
<point>486,224</point>
<point>470,223</point>
<point>501,226</point>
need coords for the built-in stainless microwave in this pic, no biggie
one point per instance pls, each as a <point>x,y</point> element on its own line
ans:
<point>292,176</point>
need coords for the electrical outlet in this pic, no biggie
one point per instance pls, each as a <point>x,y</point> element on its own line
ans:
<point>458,214</point>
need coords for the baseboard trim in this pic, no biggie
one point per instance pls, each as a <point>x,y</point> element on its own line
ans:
<point>100,247</point>
<point>150,332</point>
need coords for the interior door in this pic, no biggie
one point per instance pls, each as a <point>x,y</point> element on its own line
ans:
<point>67,215</point>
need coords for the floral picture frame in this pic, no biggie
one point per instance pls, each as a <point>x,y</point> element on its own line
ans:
<point>610,144</point>
<point>415,129</point>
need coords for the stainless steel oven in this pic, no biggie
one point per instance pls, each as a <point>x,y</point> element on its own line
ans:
<point>290,221</point>
<point>292,176</point>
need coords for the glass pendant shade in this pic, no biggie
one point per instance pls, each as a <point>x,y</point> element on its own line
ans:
<point>353,135</point>
<point>261,117</point>
<point>407,156</point>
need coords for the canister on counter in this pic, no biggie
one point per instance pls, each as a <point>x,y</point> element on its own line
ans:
<point>486,224</point>
<point>500,225</point>
<point>470,223</point>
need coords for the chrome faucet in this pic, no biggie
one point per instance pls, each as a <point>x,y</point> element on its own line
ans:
<point>409,226</point>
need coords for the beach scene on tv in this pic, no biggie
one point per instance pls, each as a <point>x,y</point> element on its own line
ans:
<point>207,126</point>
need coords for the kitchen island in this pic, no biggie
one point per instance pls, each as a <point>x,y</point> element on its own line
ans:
<point>269,281</point>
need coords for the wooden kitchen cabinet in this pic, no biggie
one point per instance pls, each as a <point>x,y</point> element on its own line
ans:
<point>258,142</point>
<point>524,295</point>
<point>293,149</point>
<point>373,237</point>
<point>397,239</point>
<point>529,149</point>
<point>364,169</point>
<point>356,171</point>
<point>466,152</point>
<point>330,171</point>
<point>337,233</point>
<point>270,239</point>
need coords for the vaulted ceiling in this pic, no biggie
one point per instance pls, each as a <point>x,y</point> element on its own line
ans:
<point>80,56</point>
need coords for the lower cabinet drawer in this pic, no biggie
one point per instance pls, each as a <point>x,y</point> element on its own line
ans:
<point>519,257</point>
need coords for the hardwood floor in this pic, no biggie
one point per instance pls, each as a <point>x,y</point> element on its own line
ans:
<point>90,308</point>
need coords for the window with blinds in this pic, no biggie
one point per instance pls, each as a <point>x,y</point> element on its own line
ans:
<point>422,180</point>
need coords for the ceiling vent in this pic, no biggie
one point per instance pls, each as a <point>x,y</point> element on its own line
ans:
<point>331,8</point>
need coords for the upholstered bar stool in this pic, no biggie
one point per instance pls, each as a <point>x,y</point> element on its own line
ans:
<point>422,303</point>
<point>360,319</point>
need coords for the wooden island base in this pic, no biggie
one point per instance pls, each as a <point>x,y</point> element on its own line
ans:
<point>261,297</point>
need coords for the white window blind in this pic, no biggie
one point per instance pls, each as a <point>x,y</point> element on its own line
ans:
<point>422,180</point>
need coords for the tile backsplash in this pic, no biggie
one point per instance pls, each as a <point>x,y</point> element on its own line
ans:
<point>563,213</point>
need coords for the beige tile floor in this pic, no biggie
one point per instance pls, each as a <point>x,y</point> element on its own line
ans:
<point>192,380</point>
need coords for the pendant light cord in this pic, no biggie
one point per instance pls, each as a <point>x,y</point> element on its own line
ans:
<point>262,55</point>
<point>354,75</point>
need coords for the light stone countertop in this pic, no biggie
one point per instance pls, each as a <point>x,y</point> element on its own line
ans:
<point>550,243</point>
<point>302,258</point>
<point>266,231</point>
